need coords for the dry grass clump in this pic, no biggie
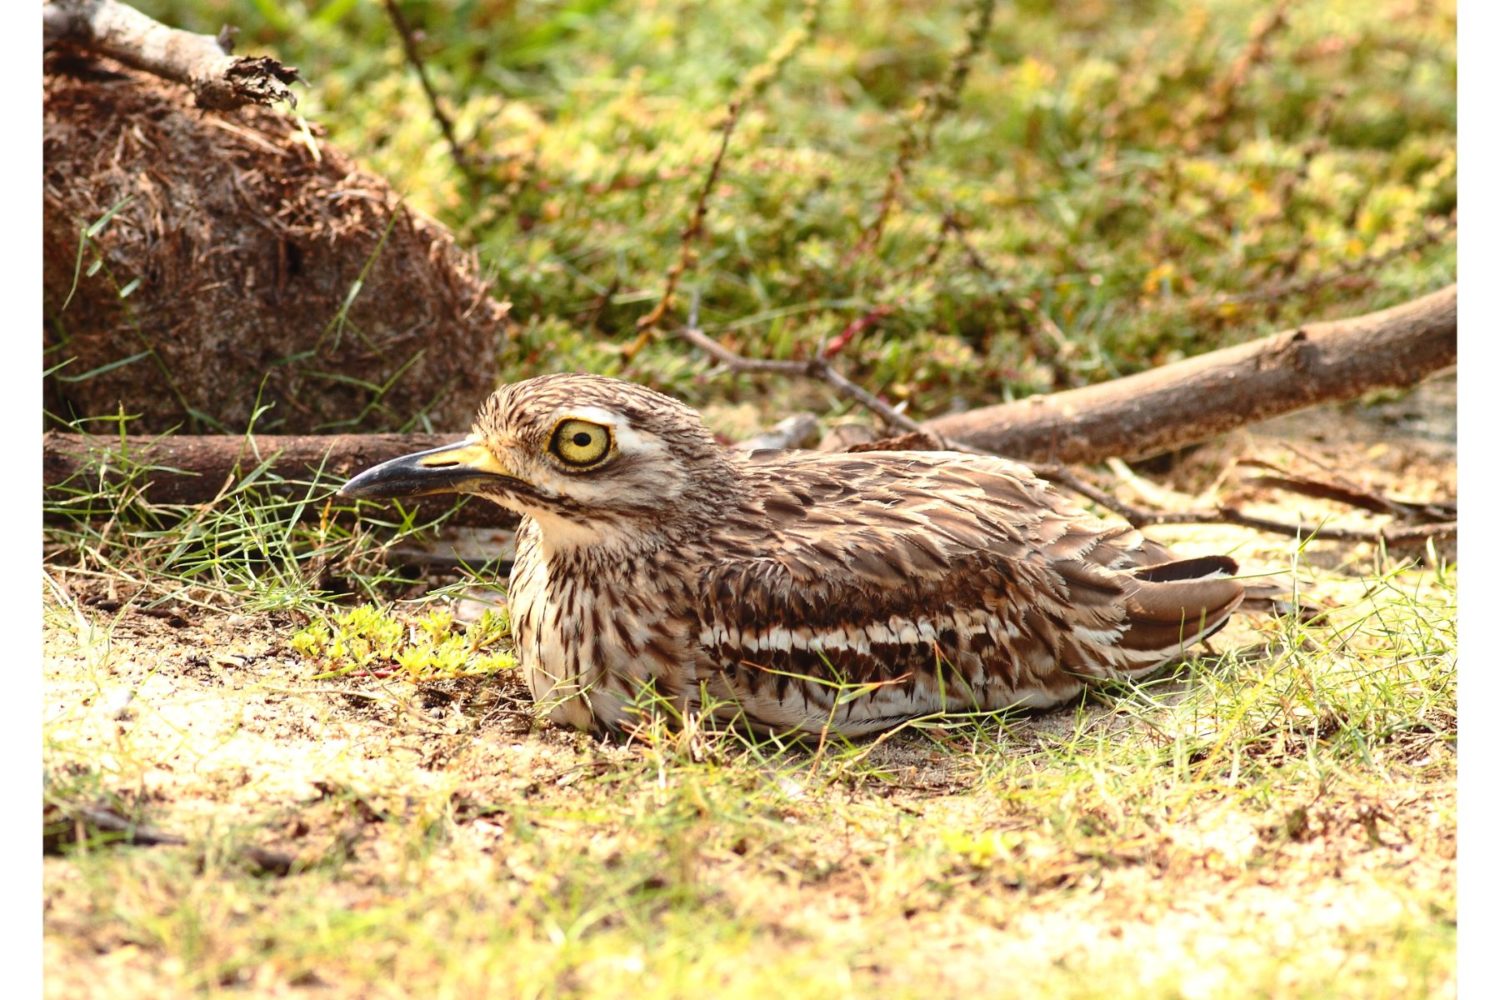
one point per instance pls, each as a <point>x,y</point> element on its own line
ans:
<point>201,267</point>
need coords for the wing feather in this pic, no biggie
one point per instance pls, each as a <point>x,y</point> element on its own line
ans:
<point>935,581</point>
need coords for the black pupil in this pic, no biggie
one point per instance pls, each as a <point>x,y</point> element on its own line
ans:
<point>582,439</point>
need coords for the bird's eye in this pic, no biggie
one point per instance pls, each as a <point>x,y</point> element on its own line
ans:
<point>580,443</point>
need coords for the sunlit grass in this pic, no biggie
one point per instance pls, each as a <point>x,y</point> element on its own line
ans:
<point>265,542</point>
<point>366,639</point>
<point>1320,765</point>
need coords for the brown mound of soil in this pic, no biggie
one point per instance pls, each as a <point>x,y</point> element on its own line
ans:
<point>200,265</point>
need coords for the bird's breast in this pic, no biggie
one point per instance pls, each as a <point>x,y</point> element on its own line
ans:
<point>593,636</point>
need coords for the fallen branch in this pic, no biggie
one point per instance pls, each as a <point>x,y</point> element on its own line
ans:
<point>188,470</point>
<point>219,81</point>
<point>196,470</point>
<point>1415,339</point>
<point>192,470</point>
<point>84,824</point>
<point>1179,404</point>
<point>1391,535</point>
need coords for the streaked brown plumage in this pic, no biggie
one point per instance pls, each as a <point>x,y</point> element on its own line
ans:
<point>798,591</point>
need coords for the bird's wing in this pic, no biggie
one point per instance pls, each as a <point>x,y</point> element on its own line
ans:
<point>873,567</point>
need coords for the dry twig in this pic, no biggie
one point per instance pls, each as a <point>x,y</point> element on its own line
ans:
<point>817,367</point>
<point>754,84</point>
<point>1392,536</point>
<point>922,120</point>
<point>219,81</point>
<point>1341,491</point>
<point>414,56</point>
<point>82,824</point>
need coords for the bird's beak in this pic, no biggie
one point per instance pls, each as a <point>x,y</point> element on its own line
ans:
<point>454,468</point>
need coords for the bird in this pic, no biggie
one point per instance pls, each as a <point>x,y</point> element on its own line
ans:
<point>657,570</point>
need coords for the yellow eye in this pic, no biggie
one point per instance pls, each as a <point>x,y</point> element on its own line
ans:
<point>581,443</point>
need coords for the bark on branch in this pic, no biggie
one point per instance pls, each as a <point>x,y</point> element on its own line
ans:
<point>197,469</point>
<point>1143,414</point>
<point>1179,404</point>
<point>219,81</point>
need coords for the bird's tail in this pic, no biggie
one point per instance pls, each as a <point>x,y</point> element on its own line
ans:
<point>1176,605</point>
<point>1274,595</point>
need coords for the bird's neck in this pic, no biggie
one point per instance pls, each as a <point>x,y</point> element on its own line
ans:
<point>604,540</point>
<point>684,511</point>
<point>559,535</point>
<point>601,543</point>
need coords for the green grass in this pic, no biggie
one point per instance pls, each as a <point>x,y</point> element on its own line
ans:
<point>268,541</point>
<point>1094,189</point>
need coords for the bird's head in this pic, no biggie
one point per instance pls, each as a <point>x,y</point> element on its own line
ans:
<point>585,456</point>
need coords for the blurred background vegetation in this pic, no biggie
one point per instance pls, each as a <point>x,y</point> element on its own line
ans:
<point>1030,195</point>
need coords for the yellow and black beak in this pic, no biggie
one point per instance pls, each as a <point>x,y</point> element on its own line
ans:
<point>456,468</point>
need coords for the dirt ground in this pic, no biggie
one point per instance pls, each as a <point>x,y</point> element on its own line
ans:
<point>214,729</point>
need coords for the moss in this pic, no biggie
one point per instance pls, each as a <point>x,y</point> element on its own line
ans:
<point>366,638</point>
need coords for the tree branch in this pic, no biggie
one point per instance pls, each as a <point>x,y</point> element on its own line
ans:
<point>1186,402</point>
<point>219,81</point>
<point>1213,393</point>
<point>186,470</point>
